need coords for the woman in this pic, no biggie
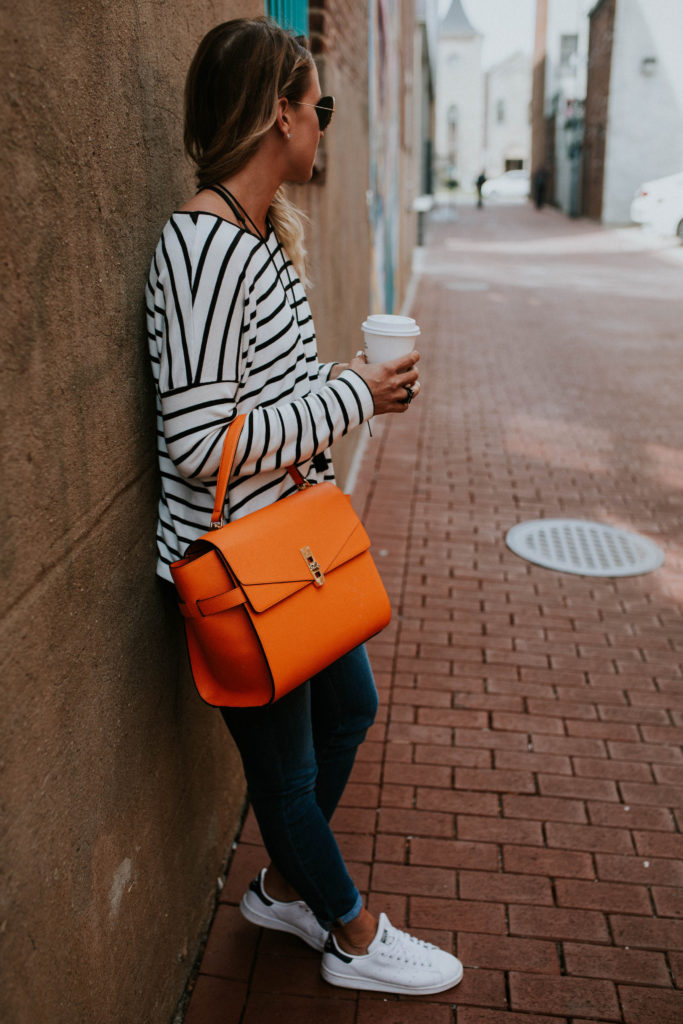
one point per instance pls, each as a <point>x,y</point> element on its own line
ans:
<point>231,332</point>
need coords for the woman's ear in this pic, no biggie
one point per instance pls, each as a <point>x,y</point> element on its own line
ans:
<point>283,116</point>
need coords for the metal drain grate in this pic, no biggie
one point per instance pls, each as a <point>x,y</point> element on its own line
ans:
<point>584,548</point>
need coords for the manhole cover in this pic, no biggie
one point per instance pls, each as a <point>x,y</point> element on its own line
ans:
<point>585,548</point>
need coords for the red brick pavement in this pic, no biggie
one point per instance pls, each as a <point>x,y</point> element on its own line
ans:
<point>519,800</point>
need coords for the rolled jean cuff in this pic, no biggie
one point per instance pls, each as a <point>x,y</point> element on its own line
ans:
<point>354,912</point>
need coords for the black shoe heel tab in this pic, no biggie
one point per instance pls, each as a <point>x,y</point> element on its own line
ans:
<point>332,947</point>
<point>258,890</point>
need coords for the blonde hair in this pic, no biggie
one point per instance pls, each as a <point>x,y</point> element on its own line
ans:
<point>238,74</point>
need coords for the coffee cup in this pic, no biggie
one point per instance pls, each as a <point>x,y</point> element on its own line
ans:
<point>388,336</point>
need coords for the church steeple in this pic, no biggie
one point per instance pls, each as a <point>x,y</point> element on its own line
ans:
<point>456,22</point>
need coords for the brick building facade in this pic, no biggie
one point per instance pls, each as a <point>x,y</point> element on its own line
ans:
<point>613,82</point>
<point>597,105</point>
<point>538,125</point>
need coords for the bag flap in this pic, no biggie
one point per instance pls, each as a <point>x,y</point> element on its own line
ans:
<point>264,550</point>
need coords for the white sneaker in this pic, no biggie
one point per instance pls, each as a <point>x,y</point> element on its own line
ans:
<point>395,962</point>
<point>297,918</point>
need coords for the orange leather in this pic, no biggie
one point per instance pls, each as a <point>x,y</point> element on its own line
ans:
<point>264,550</point>
<point>258,622</point>
<point>227,458</point>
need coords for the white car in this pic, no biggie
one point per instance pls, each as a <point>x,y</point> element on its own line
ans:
<point>511,185</point>
<point>658,205</point>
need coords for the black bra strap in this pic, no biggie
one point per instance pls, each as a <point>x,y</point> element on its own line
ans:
<point>228,198</point>
<point>241,216</point>
<point>238,210</point>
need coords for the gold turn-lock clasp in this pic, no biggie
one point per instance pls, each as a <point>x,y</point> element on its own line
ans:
<point>314,569</point>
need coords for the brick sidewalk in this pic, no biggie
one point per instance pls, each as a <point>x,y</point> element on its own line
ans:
<point>519,800</point>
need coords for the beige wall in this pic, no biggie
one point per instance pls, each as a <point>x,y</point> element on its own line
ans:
<point>120,788</point>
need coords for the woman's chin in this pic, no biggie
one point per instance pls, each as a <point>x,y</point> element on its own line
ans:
<point>300,177</point>
<point>298,180</point>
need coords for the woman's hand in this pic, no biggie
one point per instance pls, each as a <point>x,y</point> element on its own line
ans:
<point>393,384</point>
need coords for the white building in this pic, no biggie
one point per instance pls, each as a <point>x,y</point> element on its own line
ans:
<point>459,133</point>
<point>565,94</point>
<point>507,134</point>
<point>645,112</point>
<point>631,129</point>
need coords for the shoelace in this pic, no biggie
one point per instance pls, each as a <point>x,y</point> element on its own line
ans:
<point>398,947</point>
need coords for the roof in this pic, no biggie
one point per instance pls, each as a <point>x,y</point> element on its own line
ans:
<point>456,22</point>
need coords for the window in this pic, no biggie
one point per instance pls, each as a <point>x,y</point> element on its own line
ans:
<point>452,133</point>
<point>500,111</point>
<point>569,46</point>
<point>291,14</point>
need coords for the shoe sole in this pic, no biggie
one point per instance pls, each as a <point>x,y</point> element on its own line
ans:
<point>367,985</point>
<point>277,926</point>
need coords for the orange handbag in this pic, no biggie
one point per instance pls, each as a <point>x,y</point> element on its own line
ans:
<point>273,598</point>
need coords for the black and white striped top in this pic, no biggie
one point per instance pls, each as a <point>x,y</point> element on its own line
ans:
<point>230,331</point>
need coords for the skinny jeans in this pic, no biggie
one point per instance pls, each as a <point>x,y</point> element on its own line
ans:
<point>297,755</point>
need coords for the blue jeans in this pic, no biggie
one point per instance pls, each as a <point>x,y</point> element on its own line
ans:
<point>297,755</point>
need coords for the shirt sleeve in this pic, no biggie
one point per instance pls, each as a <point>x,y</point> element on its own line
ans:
<point>213,312</point>
<point>325,369</point>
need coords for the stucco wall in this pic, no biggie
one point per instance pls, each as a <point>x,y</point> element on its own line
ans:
<point>645,125</point>
<point>120,789</point>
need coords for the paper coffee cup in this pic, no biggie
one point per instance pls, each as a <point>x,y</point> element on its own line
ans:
<point>388,336</point>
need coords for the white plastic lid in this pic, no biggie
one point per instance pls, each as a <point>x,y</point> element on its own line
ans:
<point>388,323</point>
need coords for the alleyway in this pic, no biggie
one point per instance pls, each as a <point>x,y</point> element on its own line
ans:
<point>520,800</point>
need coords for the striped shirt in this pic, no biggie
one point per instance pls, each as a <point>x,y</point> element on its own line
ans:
<point>230,331</point>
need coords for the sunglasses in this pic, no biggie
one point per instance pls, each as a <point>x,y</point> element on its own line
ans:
<point>324,108</point>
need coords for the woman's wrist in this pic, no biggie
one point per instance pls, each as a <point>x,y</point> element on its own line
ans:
<point>337,369</point>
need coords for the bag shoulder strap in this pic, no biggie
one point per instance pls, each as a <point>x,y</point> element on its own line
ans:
<point>230,443</point>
